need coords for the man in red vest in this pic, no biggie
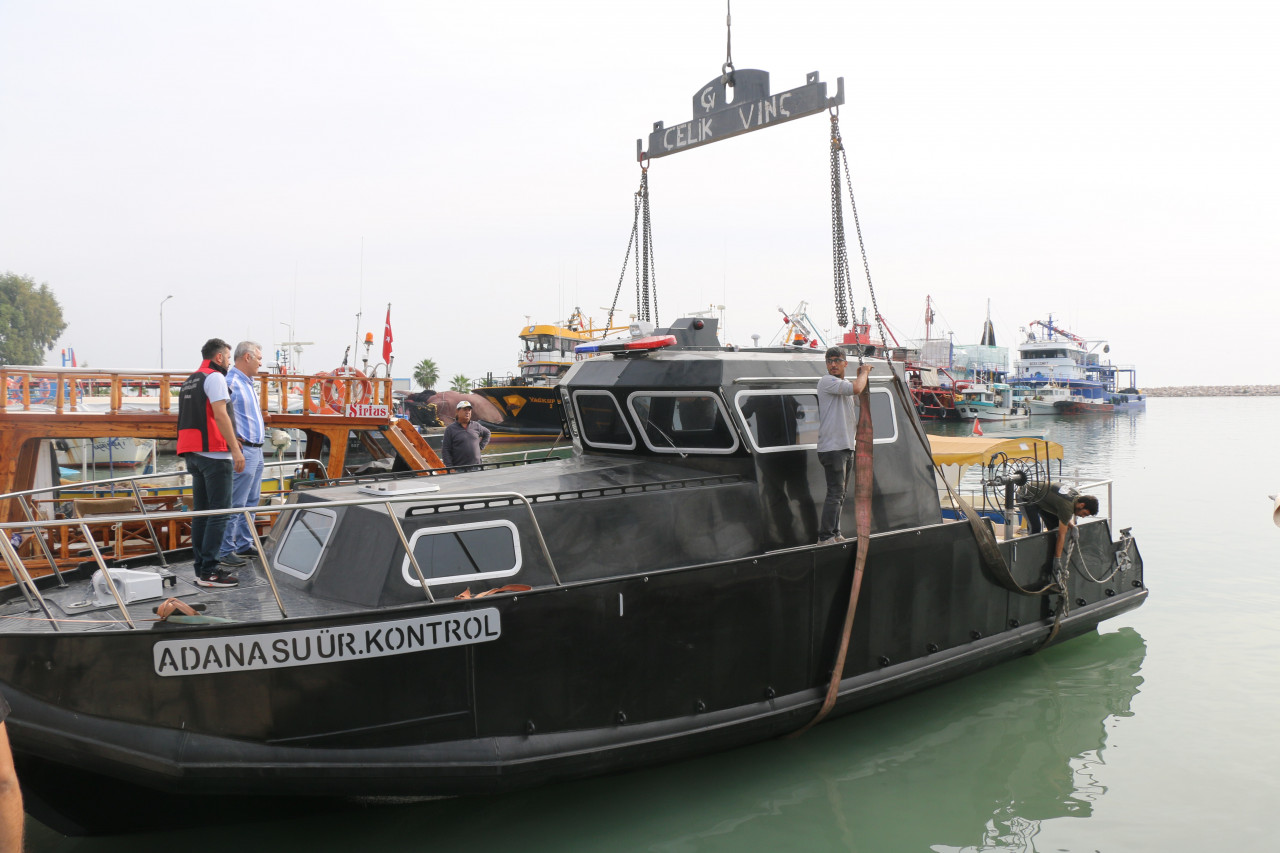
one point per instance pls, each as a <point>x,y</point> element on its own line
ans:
<point>207,441</point>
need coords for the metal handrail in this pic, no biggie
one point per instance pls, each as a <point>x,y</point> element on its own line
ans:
<point>132,482</point>
<point>26,582</point>
<point>131,478</point>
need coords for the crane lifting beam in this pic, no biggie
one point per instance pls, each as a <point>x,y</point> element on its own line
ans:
<point>751,108</point>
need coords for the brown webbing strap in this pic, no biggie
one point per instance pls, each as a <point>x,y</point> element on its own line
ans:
<point>863,441</point>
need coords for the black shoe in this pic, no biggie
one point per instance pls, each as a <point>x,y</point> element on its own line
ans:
<point>247,553</point>
<point>218,580</point>
<point>233,560</point>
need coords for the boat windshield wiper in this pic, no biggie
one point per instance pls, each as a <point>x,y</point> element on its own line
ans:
<point>650,425</point>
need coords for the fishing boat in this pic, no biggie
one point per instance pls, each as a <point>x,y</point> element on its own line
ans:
<point>1041,399</point>
<point>1086,406</point>
<point>991,401</point>
<point>440,634</point>
<point>1129,400</point>
<point>528,402</point>
<point>1053,358</point>
<point>107,452</point>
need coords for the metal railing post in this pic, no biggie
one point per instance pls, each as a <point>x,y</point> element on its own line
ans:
<point>44,546</point>
<point>155,540</point>
<point>262,555</point>
<point>409,552</point>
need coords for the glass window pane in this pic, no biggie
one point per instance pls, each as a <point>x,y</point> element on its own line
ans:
<point>464,552</point>
<point>674,422</point>
<point>778,419</point>
<point>602,422</point>
<point>299,553</point>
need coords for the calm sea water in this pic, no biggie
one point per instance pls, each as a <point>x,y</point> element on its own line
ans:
<point>1157,734</point>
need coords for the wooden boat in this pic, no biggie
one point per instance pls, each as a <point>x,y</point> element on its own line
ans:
<point>658,595</point>
<point>139,405</point>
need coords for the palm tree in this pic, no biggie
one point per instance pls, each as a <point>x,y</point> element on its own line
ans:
<point>460,383</point>
<point>426,374</point>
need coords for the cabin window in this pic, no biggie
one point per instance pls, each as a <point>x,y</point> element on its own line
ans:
<point>304,541</point>
<point>463,553</point>
<point>683,422</point>
<point>601,421</point>
<point>779,420</point>
<point>788,420</point>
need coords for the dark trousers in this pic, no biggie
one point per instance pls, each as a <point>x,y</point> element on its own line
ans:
<point>1035,515</point>
<point>210,489</point>
<point>838,465</point>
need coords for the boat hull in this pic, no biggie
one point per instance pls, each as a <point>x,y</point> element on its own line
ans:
<point>1078,407</point>
<point>527,410</point>
<point>646,668</point>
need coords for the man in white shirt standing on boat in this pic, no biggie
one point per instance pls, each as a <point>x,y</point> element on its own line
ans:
<point>246,485</point>
<point>207,442</point>
<point>837,423</point>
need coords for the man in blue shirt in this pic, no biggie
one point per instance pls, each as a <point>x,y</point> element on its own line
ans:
<point>246,486</point>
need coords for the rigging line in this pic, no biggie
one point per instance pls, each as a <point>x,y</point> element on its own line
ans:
<point>726,70</point>
<point>839,250</point>
<point>853,206</point>
<point>651,260</point>
<point>625,260</point>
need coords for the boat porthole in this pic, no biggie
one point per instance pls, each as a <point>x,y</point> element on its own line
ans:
<point>1014,623</point>
<point>1110,593</point>
<point>931,648</point>
<point>622,717</point>
<point>976,635</point>
<point>769,693</point>
<point>884,660</point>
<point>700,706</point>
<point>529,727</point>
<point>1080,602</point>
<point>1137,584</point>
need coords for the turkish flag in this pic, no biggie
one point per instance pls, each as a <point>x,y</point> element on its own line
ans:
<point>386,339</point>
<point>977,428</point>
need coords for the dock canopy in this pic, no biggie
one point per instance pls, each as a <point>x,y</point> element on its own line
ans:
<point>977,450</point>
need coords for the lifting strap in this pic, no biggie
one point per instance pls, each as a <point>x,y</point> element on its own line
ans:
<point>863,441</point>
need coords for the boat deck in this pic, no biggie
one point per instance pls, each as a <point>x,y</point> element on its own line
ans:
<point>76,609</point>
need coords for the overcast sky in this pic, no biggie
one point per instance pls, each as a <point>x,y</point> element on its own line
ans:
<point>281,167</point>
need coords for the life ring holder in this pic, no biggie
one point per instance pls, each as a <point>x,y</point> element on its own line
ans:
<point>316,401</point>
<point>333,391</point>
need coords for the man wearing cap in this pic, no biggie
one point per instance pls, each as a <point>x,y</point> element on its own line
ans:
<point>463,439</point>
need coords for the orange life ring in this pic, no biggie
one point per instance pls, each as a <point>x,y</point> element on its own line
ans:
<point>316,401</point>
<point>334,391</point>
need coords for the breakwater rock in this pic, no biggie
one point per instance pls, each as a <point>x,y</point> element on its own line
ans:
<point>1214,391</point>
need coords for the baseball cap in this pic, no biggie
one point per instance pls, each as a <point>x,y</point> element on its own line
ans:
<point>463,404</point>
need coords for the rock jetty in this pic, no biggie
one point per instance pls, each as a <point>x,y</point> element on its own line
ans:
<point>1214,391</point>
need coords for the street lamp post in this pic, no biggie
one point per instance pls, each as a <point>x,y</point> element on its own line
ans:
<point>162,302</point>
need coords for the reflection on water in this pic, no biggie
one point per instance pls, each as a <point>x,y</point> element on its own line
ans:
<point>981,764</point>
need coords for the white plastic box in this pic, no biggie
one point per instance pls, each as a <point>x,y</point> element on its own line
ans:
<point>132,584</point>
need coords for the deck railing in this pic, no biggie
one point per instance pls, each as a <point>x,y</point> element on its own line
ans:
<point>35,601</point>
<point>83,389</point>
<point>166,488</point>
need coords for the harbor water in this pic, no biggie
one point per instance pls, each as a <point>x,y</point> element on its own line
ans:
<point>1156,734</point>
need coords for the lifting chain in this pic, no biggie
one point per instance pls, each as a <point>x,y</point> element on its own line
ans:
<point>642,241</point>
<point>840,253</point>
<point>726,70</point>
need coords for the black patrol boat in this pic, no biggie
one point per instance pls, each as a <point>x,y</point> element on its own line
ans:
<point>658,595</point>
